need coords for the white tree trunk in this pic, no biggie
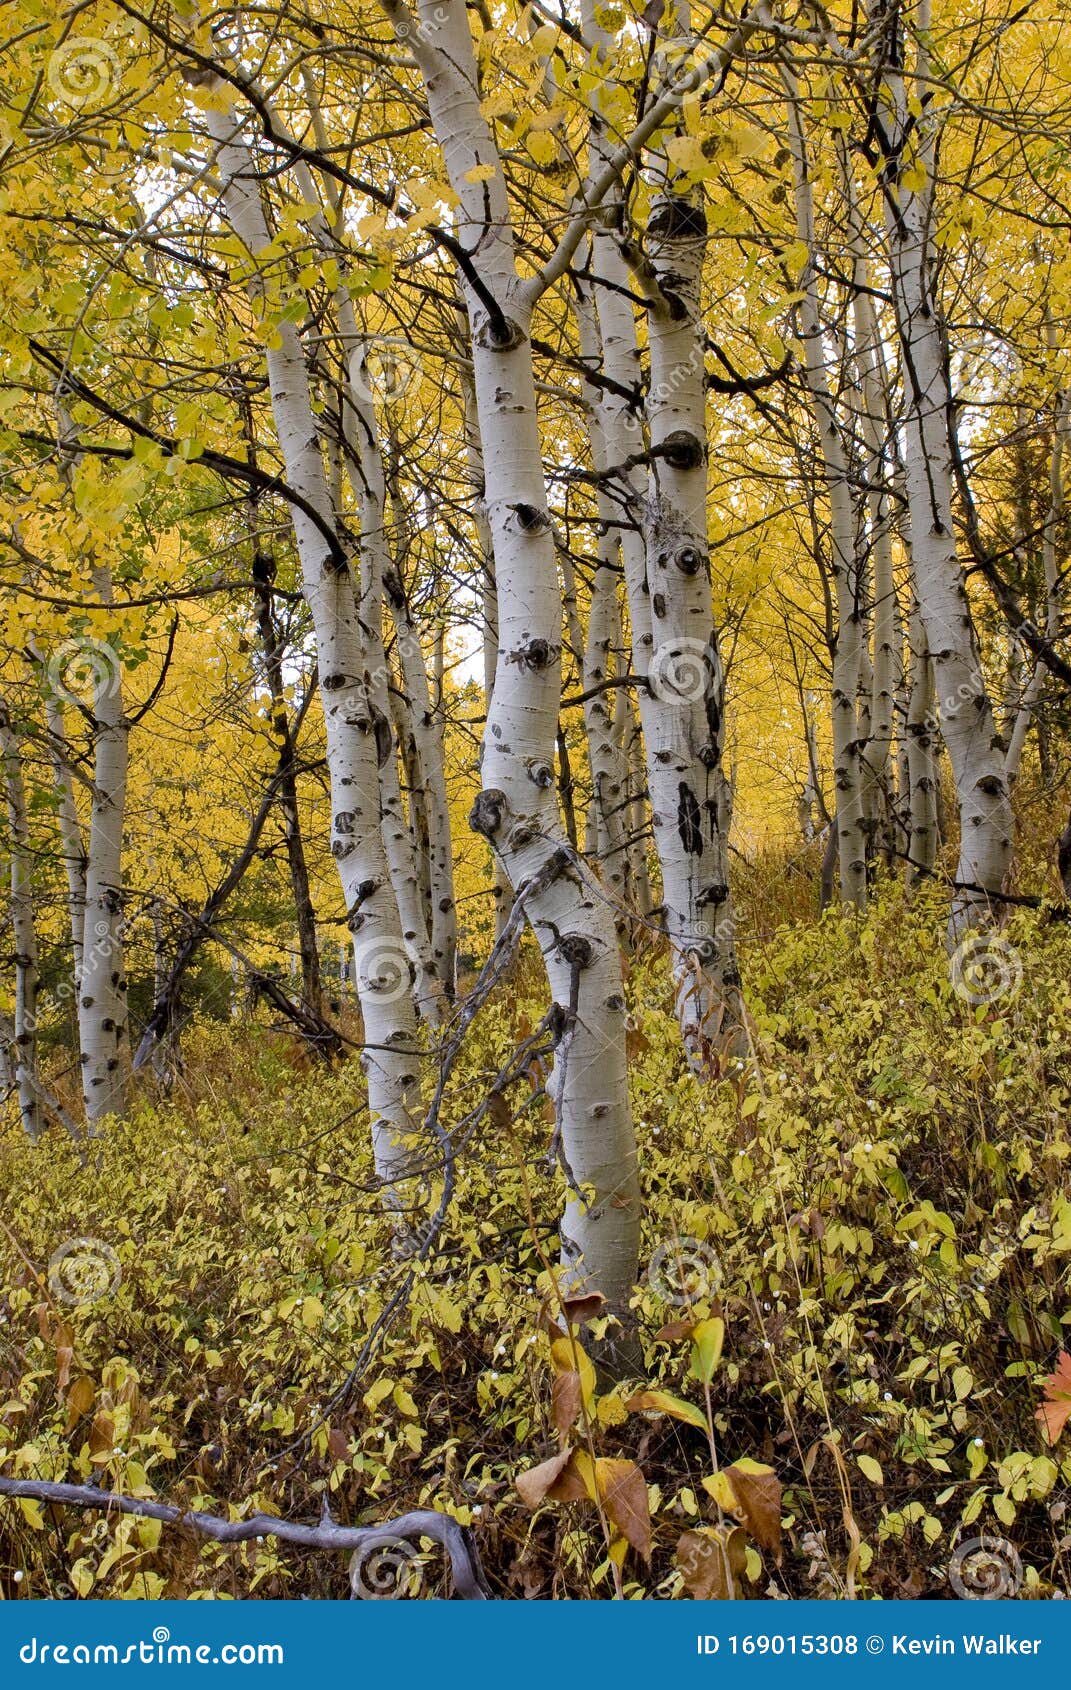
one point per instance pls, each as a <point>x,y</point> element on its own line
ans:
<point>430,773</point>
<point>609,763</point>
<point>390,1056</point>
<point>968,724</point>
<point>368,479</point>
<point>872,412</point>
<point>23,1048</point>
<point>72,845</point>
<point>1054,515</point>
<point>102,1009</point>
<point>848,647</point>
<point>501,891</point>
<point>516,810</point>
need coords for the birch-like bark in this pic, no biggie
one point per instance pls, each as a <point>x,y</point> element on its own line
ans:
<point>102,1007</point>
<point>888,659</point>
<point>923,758</point>
<point>1054,516</point>
<point>383,970</point>
<point>609,764</point>
<point>671,611</point>
<point>428,784</point>
<point>368,478</point>
<point>515,810</point>
<point>501,891</point>
<point>263,567</point>
<point>100,972</point>
<point>23,1050</point>
<point>968,724</point>
<point>848,640</point>
<point>72,844</point>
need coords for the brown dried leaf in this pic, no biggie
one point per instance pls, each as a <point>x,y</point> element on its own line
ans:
<point>101,1436</point>
<point>758,1494</point>
<point>565,1400</point>
<point>675,1330</point>
<point>711,1562</point>
<point>556,1480</point>
<point>581,1308</point>
<point>79,1399</point>
<point>623,1494</point>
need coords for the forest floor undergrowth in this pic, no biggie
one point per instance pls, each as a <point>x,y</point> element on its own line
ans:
<point>878,1206</point>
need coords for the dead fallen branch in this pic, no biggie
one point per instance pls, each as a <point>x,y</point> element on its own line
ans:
<point>457,1543</point>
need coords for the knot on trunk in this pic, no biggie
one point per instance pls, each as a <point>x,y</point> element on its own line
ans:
<point>486,814</point>
<point>541,774</point>
<point>714,892</point>
<point>676,218</point>
<point>496,332</point>
<point>520,835</point>
<point>574,949</point>
<point>537,654</point>
<point>689,821</point>
<point>530,519</point>
<point>683,450</point>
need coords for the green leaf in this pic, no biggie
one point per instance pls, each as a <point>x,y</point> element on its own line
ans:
<point>708,1336</point>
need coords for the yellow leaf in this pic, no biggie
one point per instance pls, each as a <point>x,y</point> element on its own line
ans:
<point>708,1336</point>
<point>660,1402</point>
<point>312,1313</point>
<point>871,1469</point>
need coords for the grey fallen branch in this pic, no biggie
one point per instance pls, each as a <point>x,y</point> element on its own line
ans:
<point>466,1571</point>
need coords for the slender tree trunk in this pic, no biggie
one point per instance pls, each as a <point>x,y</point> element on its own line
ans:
<point>516,810</point>
<point>888,633</point>
<point>429,784</point>
<point>684,729</point>
<point>1054,516</point>
<point>368,478</point>
<point>923,758</point>
<point>72,845</point>
<point>609,764</point>
<point>272,647</point>
<point>102,1009</point>
<point>968,725</point>
<point>849,639</point>
<point>501,891</point>
<point>24,932</point>
<point>390,1055</point>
